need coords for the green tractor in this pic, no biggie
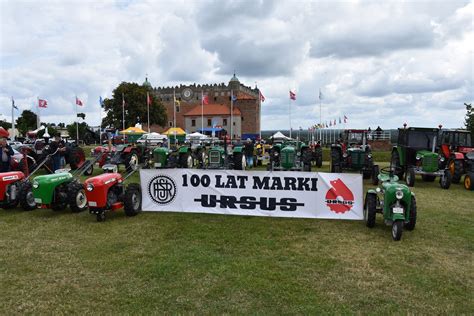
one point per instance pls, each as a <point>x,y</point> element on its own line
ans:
<point>220,158</point>
<point>62,188</point>
<point>416,154</point>
<point>353,152</point>
<point>164,157</point>
<point>392,199</point>
<point>290,155</point>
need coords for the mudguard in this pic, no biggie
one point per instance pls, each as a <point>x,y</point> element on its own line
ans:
<point>458,156</point>
<point>238,149</point>
<point>400,154</point>
<point>127,149</point>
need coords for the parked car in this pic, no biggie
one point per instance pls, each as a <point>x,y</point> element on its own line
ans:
<point>152,139</point>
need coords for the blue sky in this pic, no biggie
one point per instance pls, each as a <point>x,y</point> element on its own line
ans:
<point>378,62</point>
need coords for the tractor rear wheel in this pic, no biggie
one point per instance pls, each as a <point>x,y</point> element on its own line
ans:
<point>27,199</point>
<point>75,157</point>
<point>397,230</point>
<point>131,161</point>
<point>307,155</point>
<point>412,220</point>
<point>395,163</point>
<point>185,161</point>
<point>319,157</point>
<point>468,185</point>
<point>335,161</point>
<point>239,161</point>
<point>375,174</point>
<point>60,200</point>
<point>370,209</point>
<point>132,200</point>
<point>456,170</point>
<point>410,178</point>
<point>76,197</point>
<point>445,180</point>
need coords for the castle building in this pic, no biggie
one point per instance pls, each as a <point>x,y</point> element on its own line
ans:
<point>216,114</point>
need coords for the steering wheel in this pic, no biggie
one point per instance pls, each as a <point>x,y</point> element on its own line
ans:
<point>391,171</point>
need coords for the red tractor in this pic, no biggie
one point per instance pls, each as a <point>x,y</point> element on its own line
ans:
<point>16,188</point>
<point>107,192</point>
<point>454,146</point>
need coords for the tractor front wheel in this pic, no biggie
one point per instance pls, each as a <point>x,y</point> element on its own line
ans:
<point>410,178</point>
<point>131,161</point>
<point>370,209</point>
<point>132,200</point>
<point>239,161</point>
<point>27,199</point>
<point>456,170</point>
<point>397,230</point>
<point>468,185</point>
<point>76,197</point>
<point>445,180</point>
<point>319,157</point>
<point>412,219</point>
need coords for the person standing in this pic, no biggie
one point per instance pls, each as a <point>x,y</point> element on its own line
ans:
<point>6,155</point>
<point>248,149</point>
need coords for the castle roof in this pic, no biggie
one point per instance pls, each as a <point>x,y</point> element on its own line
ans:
<point>212,109</point>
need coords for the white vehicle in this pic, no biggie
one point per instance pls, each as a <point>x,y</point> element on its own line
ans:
<point>152,139</point>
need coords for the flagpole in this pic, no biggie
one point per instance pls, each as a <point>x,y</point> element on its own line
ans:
<point>100,120</point>
<point>123,112</point>
<point>174,109</point>
<point>13,120</point>
<point>320,115</point>
<point>202,111</point>
<point>231,114</point>
<point>260,115</point>
<point>289,112</point>
<point>77,125</point>
<point>37,113</point>
<point>148,109</point>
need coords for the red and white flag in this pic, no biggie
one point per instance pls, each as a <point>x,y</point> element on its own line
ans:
<point>148,99</point>
<point>79,102</point>
<point>42,103</point>
<point>292,95</point>
<point>345,119</point>
<point>262,98</point>
<point>205,99</point>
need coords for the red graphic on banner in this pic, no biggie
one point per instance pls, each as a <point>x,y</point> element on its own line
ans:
<point>339,197</point>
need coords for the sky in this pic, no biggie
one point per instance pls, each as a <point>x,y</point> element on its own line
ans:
<point>379,63</point>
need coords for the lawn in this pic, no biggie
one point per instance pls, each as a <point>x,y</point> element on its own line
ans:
<point>59,262</point>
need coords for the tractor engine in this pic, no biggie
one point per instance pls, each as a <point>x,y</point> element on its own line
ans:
<point>427,161</point>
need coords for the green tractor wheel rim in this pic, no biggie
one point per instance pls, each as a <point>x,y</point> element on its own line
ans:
<point>244,162</point>
<point>81,200</point>
<point>30,199</point>
<point>189,162</point>
<point>467,182</point>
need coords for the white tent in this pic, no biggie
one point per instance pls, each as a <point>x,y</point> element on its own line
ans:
<point>197,135</point>
<point>279,135</point>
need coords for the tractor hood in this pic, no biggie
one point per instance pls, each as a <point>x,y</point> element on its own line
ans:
<point>9,177</point>
<point>161,150</point>
<point>425,153</point>
<point>44,186</point>
<point>55,178</point>
<point>105,178</point>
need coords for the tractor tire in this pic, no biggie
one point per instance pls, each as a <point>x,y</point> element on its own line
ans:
<point>239,161</point>
<point>131,161</point>
<point>410,178</point>
<point>412,220</point>
<point>59,206</point>
<point>468,185</point>
<point>428,178</point>
<point>132,200</point>
<point>335,162</point>
<point>306,156</point>
<point>76,197</point>
<point>445,180</point>
<point>370,209</point>
<point>89,170</point>
<point>397,230</point>
<point>395,163</point>
<point>456,169</point>
<point>319,157</point>
<point>375,174</point>
<point>75,157</point>
<point>26,197</point>
<point>185,161</point>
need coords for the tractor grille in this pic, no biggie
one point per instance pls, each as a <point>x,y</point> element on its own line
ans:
<point>157,156</point>
<point>430,163</point>
<point>214,157</point>
<point>289,158</point>
<point>357,158</point>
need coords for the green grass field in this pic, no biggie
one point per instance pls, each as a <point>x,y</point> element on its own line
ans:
<point>59,262</point>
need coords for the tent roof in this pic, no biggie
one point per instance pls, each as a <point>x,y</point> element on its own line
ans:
<point>280,135</point>
<point>174,130</point>
<point>133,130</point>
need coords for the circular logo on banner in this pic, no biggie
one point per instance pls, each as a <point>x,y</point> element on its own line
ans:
<point>339,197</point>
<point>162,189</point>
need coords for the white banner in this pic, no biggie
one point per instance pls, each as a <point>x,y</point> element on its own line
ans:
<point>256,193</point>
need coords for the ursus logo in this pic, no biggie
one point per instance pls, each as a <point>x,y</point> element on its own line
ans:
<point>162,189</point>
<point>339,197</point>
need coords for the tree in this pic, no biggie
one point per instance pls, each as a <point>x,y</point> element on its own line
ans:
<point>26,121</point>
<point>71,130</point>
<point>5,125</point>
<point>135,106</point>
<point>469,119</point>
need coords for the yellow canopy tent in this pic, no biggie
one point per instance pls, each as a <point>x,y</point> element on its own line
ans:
<point>179,132</point>
<point>133,133</point>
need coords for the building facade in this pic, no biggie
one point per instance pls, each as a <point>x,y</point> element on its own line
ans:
<point>246,107</point>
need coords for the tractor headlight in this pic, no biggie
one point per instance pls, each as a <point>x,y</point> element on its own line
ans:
<point>378,190</point>
<point>441,158</point>
<point>369,156</point>
<point>418,157</point>
<point>35,184</point>
<point>399,194</point>
<point>90,187</point>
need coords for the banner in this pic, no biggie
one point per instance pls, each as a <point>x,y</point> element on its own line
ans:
<point>255,193</point>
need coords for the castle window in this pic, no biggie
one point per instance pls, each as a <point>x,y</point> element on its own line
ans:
<point>209,122</point>
<point>216,94</point>
<point>193,122</point>
<point>177,108</point>
<point>167,98</point>
<point>224,122</point>
<point>215,98</point>
<point>170,123</point>
<point>222,93</point>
